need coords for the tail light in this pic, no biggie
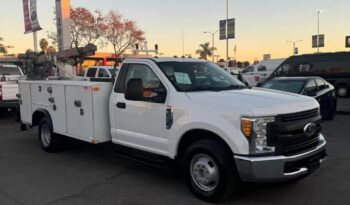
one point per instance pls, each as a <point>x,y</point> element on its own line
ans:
<point>257,78</point>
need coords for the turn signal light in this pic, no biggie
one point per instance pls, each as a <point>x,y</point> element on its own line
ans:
<point>246,127</point>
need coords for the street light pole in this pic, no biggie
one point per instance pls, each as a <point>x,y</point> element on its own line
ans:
<point>227,36</point>
<point>212,40</point>
<point>318,30</point>
<point>294,44</point>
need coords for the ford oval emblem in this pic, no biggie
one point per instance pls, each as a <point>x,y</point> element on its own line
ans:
<point>310,129</point>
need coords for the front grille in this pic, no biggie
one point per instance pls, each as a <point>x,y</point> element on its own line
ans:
<point>287,133</point>
<point>299,115</point>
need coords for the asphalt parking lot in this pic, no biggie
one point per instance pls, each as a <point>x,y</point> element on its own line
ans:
<point>88,174</point>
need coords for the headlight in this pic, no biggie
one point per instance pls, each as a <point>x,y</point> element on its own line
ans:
<point>255,129</point>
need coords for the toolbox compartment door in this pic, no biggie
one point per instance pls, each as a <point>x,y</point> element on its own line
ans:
<point>79,112</point>
<point>25,103</point>
<point>58,108</point>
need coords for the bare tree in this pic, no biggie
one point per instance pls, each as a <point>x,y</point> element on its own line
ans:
<point>86,27</point>
<point>123,34</point>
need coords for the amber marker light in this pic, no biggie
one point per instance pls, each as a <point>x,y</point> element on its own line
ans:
<point>246,127</point>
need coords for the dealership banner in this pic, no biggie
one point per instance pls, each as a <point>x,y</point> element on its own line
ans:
<point>31,22</point>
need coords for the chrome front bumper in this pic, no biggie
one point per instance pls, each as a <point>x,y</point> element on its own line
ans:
<point>277,168</point>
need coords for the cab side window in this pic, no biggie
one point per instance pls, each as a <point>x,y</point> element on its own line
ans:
<point>310,87</point>
<point>321,84</point>
<point>262,69</point>
<point>248,70</point>
<point>91,73</point>
<point>282,70</point>
<point>149,80</point>
<point>305,68</point>
<point>102,73</point>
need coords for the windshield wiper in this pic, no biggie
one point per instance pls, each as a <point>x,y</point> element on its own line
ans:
<point>216,89</point>
<point>234,87</point>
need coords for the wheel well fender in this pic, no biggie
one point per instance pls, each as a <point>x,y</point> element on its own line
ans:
<point>195,135</point>
<point>338,83</point>
<point>40,114</point>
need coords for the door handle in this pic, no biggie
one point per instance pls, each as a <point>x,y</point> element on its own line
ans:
<point>77,103</point>
<point>121,105</point>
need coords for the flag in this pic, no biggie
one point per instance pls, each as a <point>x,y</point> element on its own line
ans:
<point>31,22</point>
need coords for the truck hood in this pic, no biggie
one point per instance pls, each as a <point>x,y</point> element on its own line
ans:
<point>256,102</point>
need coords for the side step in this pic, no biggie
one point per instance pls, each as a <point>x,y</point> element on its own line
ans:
<point>141,156</point>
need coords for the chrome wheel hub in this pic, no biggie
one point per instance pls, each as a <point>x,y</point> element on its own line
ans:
<point>342,92</point>
<point>204,172</point>
<point>45,135</point>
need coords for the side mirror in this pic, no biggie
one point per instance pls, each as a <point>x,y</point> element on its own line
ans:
<point>311,93</point>
<point>134,90</point>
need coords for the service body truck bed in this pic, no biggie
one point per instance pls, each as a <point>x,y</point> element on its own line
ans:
<point>78,109</point>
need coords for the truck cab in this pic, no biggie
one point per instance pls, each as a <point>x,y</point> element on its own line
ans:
<point>256,74</point>
<point>221,131</point>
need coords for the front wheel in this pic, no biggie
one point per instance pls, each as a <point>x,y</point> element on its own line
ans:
<point>210,171</point>
<point>49,141</point>
<point>342,91</point>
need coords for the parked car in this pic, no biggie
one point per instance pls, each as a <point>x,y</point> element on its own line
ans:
<point>101,73</point>
<point>188,110</point>
<point>256,74</point>
<point>333,67</point>
<point>9,76</point>
<point>315,87</point>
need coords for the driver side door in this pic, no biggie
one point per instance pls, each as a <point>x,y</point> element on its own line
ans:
<point>139,124</point>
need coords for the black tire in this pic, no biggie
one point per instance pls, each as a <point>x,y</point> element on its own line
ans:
<point>330,115</point>
<point>23,127</point>
<point>49,141</point>
<point>342,90</point>
<point>221,160</point>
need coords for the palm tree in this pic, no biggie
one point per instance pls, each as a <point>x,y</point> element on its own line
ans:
<point>44,45</point>
<point>205,50</point>
<point>2,47</point>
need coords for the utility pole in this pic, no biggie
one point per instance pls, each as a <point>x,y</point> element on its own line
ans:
<point>35,38</point>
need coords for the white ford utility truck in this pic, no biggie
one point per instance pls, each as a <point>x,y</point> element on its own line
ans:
<point>222,132</point>
<point>9,76</point>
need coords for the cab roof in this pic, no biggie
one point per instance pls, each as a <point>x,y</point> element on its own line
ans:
<point>165,59</point>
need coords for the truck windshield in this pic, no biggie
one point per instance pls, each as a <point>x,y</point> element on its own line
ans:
<point>5,70</point>
<point>199,76</point>
<point>292,86</point>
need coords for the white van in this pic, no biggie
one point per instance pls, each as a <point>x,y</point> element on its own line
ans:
<point>258,73</point>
